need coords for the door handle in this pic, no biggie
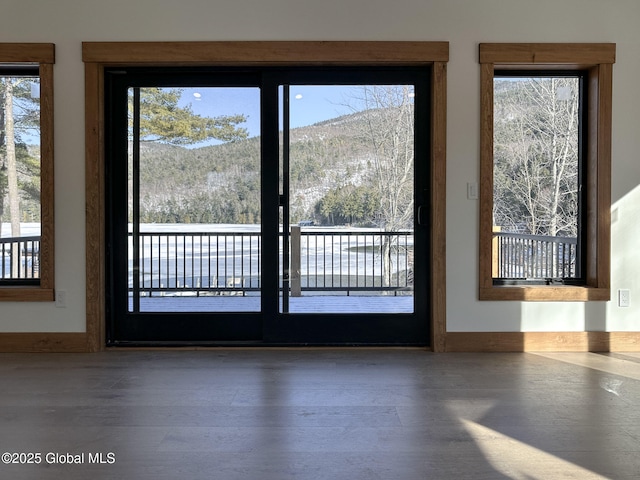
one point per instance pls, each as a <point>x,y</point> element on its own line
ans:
<point>423,215</point>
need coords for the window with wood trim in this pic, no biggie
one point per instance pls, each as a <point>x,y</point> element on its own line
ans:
<point>26,172</point>
<point>100,56</point>
<point>545,181</point>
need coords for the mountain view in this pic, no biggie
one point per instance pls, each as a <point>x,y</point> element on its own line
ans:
<point>221,183</point>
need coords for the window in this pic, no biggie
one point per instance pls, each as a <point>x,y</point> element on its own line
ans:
<point>545,171</point>
<point>538,172</point>
<point>26,172</point>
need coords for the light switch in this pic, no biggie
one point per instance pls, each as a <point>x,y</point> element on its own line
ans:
<point>472,191</point>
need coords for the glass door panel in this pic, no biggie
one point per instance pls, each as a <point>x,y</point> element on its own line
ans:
<point>348,198</point>
<point>194,208</point>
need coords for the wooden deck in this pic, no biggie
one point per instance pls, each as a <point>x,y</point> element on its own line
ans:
<point>305,304</point>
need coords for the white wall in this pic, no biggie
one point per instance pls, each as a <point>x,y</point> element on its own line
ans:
<point>464,23</point>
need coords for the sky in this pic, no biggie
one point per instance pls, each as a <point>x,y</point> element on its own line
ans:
<point>309,104</point>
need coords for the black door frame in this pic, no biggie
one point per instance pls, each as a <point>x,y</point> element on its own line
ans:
<point>268,326</point>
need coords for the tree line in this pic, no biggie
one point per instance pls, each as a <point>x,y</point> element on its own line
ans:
<point>19,156</point>
<point>536,155</point>
<point>360,174</point>
<point>356,169</point>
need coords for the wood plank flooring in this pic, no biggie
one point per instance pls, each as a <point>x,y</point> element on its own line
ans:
<point>263,414</point>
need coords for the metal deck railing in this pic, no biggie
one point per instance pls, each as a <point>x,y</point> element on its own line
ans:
<point>345,261</point>
<point>534,256</point>
<point>20,258</point>
<point>229,263</point>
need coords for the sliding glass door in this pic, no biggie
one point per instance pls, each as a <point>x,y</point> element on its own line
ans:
<point>267,206</point>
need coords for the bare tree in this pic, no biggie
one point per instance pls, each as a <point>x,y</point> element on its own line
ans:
<point>12,171</point>
<point>20,112</point>
<point>388,120</point>
<point>11,163</point>
<point>536,155</point>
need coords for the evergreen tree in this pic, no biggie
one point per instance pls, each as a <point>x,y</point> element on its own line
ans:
<point>163,120</point>
<point>19,167</point>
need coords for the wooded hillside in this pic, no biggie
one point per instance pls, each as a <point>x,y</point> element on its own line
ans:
<point>221,183</point>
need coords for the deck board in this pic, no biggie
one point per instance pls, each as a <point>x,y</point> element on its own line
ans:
<point>305,304</point>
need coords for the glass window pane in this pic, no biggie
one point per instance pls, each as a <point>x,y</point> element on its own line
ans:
<point>20,178</point>
<point>197,188</point>
<point>351,198</point>
<point>536,177</point>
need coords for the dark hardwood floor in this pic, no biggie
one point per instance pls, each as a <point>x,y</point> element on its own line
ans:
<point>319,414</point>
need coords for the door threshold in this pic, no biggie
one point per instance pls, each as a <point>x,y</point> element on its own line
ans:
<point>194,346</point>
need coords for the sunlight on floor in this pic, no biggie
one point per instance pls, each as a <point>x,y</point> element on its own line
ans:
<point>519,461</point>
<point>616,365</point>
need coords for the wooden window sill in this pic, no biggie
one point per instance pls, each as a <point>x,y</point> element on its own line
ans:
<point>545,293</point>
<point>26,294</point>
